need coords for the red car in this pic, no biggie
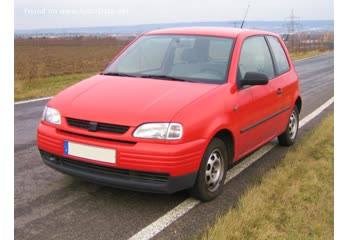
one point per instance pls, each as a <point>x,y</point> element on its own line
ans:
<point>173,110</point>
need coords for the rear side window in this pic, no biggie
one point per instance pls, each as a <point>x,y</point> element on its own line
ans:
<point>255,57</point>
<point>282,64</point>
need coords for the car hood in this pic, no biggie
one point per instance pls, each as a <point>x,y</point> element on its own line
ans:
<point>127,101</point>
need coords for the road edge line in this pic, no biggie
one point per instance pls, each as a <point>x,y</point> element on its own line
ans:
<point>315,113</point>
<point>33,100</point>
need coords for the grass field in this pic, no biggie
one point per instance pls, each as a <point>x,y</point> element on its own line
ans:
<point>48,86</point>
<point>44,70</point>
<point>293,201</point>
<point>37,62</point>
<point>44,67</point>
<point>301,55</point>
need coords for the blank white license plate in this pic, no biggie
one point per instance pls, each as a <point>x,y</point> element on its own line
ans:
<point>90,152</point>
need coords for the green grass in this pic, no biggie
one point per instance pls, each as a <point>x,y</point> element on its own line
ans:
<point>48,86</point>
<point>293,201</point>
<point>301,55</point>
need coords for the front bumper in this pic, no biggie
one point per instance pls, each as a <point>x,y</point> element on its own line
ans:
<point>120,178</point>
<point>151,167</point>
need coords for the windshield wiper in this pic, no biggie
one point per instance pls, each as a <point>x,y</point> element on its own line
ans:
<point>119,74</point>
<point>166,77</point>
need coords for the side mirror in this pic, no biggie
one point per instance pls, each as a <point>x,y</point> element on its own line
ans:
<point>255,78</point>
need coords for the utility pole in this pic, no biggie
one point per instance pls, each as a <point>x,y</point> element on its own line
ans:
<point>292,29</point>
<point>291,25</point>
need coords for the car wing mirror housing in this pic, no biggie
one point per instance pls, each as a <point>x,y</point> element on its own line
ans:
<point>254,78</point>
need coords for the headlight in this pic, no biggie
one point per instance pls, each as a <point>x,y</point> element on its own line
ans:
<point>169,131</point>
<point>51,115</point>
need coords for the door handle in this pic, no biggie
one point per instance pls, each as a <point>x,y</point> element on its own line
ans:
<point>279,91</point>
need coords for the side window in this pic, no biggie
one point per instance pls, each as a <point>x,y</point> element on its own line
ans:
<point>255,57</point>
<point>279,54</point>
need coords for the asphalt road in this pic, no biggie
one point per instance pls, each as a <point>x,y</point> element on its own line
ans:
<point>50,205</point>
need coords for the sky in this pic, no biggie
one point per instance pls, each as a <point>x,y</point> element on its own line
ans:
<point>39,14</point>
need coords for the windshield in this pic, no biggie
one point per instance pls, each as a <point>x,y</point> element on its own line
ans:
<point>176,57</point>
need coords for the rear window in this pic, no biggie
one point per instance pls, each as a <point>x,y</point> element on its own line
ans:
<point>282,64</point>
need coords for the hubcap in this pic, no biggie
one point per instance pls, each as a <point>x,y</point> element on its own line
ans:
<point>214,171</point>
<point>293,125</point>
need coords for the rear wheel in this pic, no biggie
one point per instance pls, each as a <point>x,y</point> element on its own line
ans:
<point>288,137</point>
<point>211,176</point>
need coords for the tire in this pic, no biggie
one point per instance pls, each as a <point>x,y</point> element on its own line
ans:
<point>212,172</point>
<point>287,138</point>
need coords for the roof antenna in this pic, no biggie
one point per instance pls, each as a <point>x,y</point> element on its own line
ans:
<point>246,12</point>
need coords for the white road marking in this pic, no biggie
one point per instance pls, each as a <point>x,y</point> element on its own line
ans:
<point>181,209</point>
<point>249,161</point>
<point>33,100</point>
<point>164,221</point>
<point>312,115</point>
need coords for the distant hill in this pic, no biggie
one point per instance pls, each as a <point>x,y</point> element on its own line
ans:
<point>274,26</point>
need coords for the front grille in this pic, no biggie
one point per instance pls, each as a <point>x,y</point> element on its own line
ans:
<point>104,127</point>
<point>104,170</point>
<point>99,138</point>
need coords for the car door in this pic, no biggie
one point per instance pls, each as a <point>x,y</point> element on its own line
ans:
<point>285,82</point>
<point>256,116</point>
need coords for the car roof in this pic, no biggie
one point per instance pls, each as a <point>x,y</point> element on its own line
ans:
<point>207,31</point>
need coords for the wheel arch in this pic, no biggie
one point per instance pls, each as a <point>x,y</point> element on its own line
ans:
<point>298,103</point>
<point>228,138</point>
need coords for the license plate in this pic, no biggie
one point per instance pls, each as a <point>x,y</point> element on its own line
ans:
<point>90,152</point>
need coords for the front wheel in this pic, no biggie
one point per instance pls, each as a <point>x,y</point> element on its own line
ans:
<point>212,172</point>
<point>287,138</point>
